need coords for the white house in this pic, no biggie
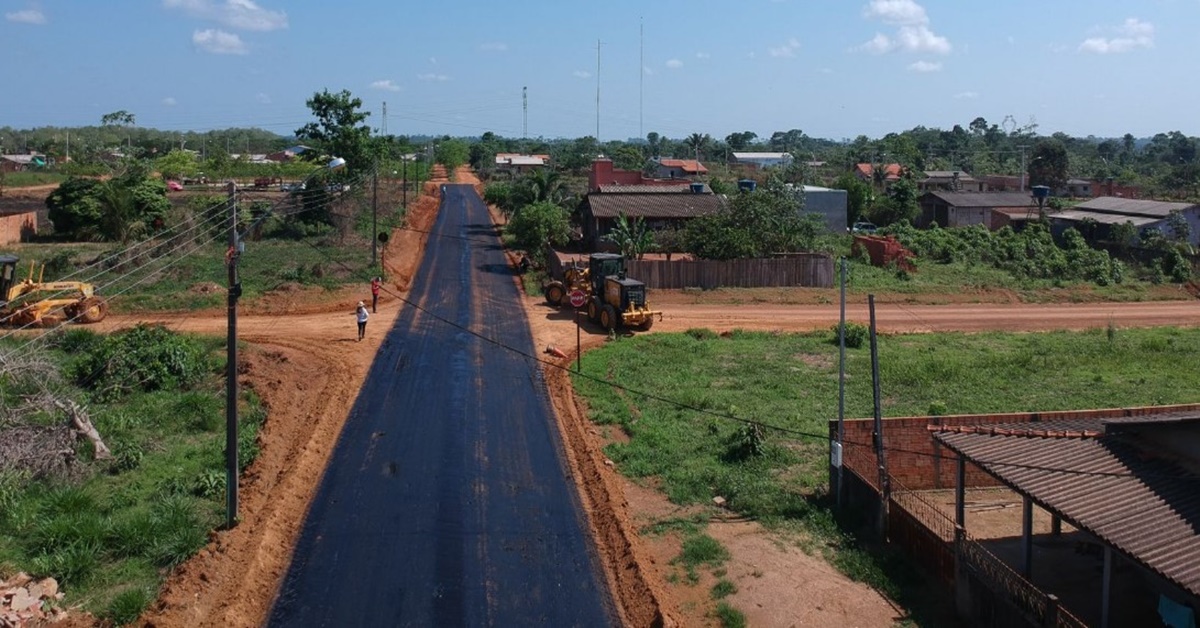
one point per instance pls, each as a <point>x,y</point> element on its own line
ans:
<point>763,160</point>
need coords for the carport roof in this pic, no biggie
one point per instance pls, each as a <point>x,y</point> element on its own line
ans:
<point>1142,505</point>
<point>1119,205</point>
<point>1080,215</point>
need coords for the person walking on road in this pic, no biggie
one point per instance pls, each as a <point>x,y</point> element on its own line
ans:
<point>362,315</point>
<point>376,284</point>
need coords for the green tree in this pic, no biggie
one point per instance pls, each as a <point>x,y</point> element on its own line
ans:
<point>452,154</point>
<point>534,226</point>
<point>858,196</point>
<point>118,118</point>
<point>542,185</point>
<point>120,209</point>
<point>631,237</point>
<point>697,144</point>
<point>740,141</point>
<point>177,164</point>
<point>899,205</point>
<point>75,208</point>
<point>628,157</point>
<point>753,224</point>
<point>339,129</point>
<point>1048,164</point>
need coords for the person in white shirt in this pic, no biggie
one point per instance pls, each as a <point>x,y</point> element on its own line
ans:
<point>362,315</point>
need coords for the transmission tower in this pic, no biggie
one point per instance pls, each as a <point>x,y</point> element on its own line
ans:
<point>525,113</point>
<point>383,128</point>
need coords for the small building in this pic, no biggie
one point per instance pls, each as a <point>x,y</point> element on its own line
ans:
<point>866,173</point>
<point>518,164</point>
<point>660,206</point>
<point>761,161</point>
<point>830,204</point>
<point>962,209</point>
<point>678,168</point>
<point>1096,218</point>
<point>950,181</point>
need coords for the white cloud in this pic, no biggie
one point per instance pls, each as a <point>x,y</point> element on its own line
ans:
<point>581,74</point>
<point>966,95</point>
<point>925,66</point>
<point>647,70</point>
<point>430,76</point>
<point>219,42</point>
<point>913,33</point>
<point>170,101</point>
<point>703,55</point>
<point>826,70</point>
<point>27,16</point>
<point>1131,35</point>
<point>495,46</point>
<point>387,85</point>
<point>787,50</point>
<point>262,98</point>
<point>242,15</point>
<point>896,12</point>
<point>674,64</point>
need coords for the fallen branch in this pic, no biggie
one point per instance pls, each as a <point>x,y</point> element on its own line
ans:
<point>81,422</point>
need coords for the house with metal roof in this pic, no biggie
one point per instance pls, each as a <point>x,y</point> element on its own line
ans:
<point>516,163</point>
<point>763,160</point>
<point>950,181</point>
<point>660,206</point>
<point>962,209</point>
<point>1101,214</point>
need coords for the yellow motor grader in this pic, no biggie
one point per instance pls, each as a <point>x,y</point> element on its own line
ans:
<point>613,300</point>
<point>28,302</point>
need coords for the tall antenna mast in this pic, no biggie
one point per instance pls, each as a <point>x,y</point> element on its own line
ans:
<point>383,129</point>
<point>641,73</point>
<point>525,113</point>
<point>597,90</point>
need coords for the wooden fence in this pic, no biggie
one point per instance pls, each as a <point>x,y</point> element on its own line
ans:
<point>809,270</point>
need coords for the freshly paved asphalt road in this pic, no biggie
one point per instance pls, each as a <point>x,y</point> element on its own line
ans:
<point>447,500</point>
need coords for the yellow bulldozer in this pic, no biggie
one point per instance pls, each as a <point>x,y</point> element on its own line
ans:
<point>28,302</point>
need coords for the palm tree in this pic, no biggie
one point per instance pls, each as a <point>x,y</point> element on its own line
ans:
<point>541,185</point>
<point>697,143</point>
<point>632,237</point>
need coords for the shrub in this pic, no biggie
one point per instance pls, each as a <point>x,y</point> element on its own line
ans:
<point>857,334</point>
<point>147,358</point>
<point>127,606</point>
<point>729,616</point>
<point>701,549</point>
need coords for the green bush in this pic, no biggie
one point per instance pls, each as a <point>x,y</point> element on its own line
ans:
<point>127,606</point>
<point>729,616</point>
<point>146,358</point>
<point>857,335</point>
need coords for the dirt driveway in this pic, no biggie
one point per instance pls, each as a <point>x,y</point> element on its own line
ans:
<point>302,361</point>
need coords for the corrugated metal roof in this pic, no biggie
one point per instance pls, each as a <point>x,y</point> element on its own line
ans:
<point>985,199</point>
<point>653,205</point>
<point>1078,215</point>
<point>625,188</point>
<point>1147,508</point>
<point>740,156</point>
<point>1118,205</point>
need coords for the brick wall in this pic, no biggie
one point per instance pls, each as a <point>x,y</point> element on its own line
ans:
<point>917,461</point>
<point>17,227</point>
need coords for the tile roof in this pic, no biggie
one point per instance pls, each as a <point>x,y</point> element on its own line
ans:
<point>628,188</point>
<point>683,205</point>
<point>1118,205</point>
<point>1146,507</point>
<point>891,172</point>
<point>688,165</point>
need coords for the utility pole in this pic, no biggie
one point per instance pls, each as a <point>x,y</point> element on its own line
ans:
<point>68,158</point>
<point>836,456</point>
<point>231,387</point>
<point>877,435</point>
<point>641,73</point>
<point>383,129</point>
<point>524,113</point>
<point>1022,168</point>
<point>597,91</point>
<point>374,213</point>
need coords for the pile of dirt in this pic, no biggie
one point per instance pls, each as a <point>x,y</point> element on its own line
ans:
<point>27,602</point>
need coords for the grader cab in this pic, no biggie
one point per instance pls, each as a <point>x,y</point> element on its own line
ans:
<point>29,302</point>
<point>616,300</point>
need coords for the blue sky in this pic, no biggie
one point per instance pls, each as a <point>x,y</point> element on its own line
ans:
<point>833,68</point>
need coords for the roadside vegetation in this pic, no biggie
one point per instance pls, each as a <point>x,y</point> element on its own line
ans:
<point>110,527</point>
<point>697,435</point>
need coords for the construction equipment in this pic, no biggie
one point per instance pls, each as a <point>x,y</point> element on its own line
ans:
<point>616,300</point>
<point>575,277</point>
<point>29,302</point>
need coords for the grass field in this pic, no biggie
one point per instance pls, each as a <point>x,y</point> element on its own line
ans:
<point>110,530</point>
<point>29,179</point>
<point>681,400</point>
